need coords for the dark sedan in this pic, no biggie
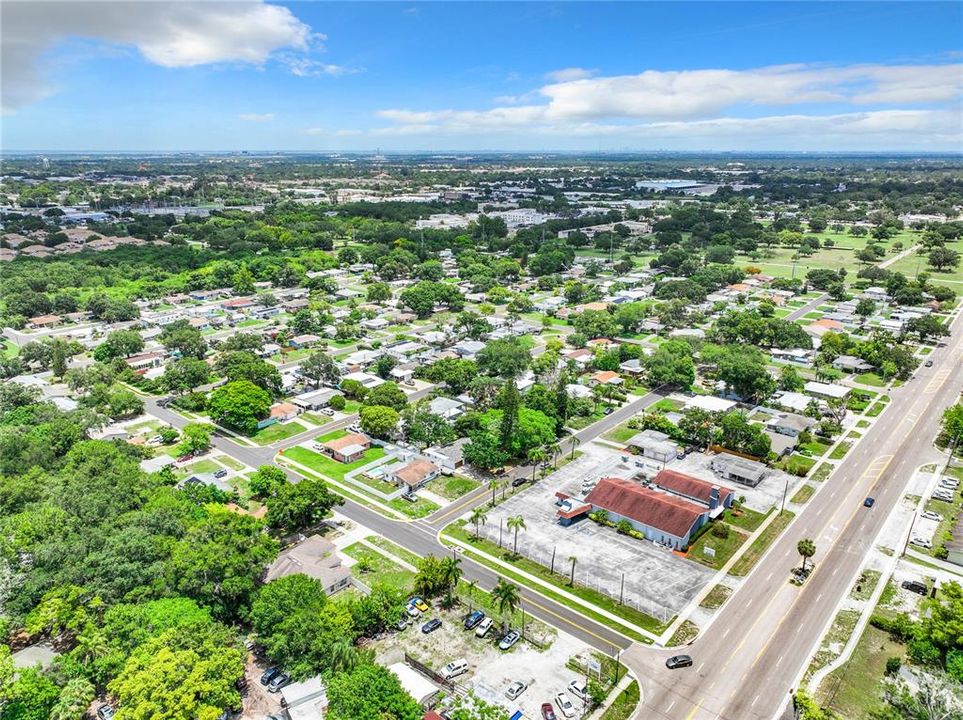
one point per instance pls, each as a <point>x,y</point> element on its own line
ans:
<point>678,661</point>
<point>431,626</point>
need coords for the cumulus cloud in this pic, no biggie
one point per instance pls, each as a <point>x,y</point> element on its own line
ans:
<point>569,74</point>
<point>173,35</point>
<point>306,67</point>
<point>256,117</point>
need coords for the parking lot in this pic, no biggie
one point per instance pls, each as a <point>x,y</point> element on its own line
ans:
<point>491,670</point>
<point>657,582</point>
<point>766,494</point>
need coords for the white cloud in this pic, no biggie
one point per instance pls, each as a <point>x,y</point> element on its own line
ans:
<point>306,67</point>
<point>256,117</point>
<point>569,74</point>
<point>173,35</point>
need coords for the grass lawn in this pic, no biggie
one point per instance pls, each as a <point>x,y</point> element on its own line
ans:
<point>724,548</point>
<point>665,405</point>
<point>452,487</point>
<point>852,690</point>
<point>759,546</point>
<point>328,467</point>
<point>396,550</point>
<point>201,466</point>
<point>871,379</point>
<point>803,494</point>
<point>743,517</point>
<point>277,432</point>
<point>330,436</point>
<point>875,409</point>
<point>145,427</point>
<point>620,433</point>
<point>716,597</point>
<point>685,633</point>
<point>316,418</point>
<point>418,509</point>
<point>798,465</point>
<point>816,447</point>
<point>840,450</point>
<point>230,462</point>
<point>839,633</point>
<point>623,707</point>
<point>559,580</point>
<point>822,472</point>
<point>580,422</point>
<point>382,486</point>
<point>380,570</point>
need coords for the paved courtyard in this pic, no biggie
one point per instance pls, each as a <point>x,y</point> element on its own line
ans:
<point>657,582</point>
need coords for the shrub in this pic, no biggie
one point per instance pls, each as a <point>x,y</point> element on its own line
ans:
<point>720,530</point>
<point>337,402</point>
<point>893,665</point>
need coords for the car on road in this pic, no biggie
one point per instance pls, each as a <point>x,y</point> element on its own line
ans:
<point>565,705</point>
<point>678,661</point>
<point>509,639</point>
<point>483,627</point>
<point>515,689</point>
<point>431,626</point>
<point>869,502</point>
<point>105,712</point>
<point>473,619</point>
<point>268,675</point>
<point>928,363</point>
<point>281,680</point>
<point>915,586</point>
<point>930,515</point>
<point>548,712</point>
<point>921,542</point>
<point>519,481</point>
<point>455,668</point>
<point>220,473</point>
<point>354,428</point>
<point>418,603</point>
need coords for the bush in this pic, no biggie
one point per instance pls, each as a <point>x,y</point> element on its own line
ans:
<point>337,402</point>
<point>192,402</point>
<point>900,628</point>
<point>924,652</point>
<point>893,665</point>
<point>720,530</point>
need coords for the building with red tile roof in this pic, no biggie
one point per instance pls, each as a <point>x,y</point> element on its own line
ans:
<point>692,488</point>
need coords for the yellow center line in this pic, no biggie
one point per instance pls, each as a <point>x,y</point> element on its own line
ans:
<point>695,709</point>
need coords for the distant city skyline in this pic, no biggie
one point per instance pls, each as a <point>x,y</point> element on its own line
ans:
<point>463,77</point>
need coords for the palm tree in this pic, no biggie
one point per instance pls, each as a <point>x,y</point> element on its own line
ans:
<point>342,656</point>
<point>535,456</point>
<point>450,575</point>
<point>516,523</point>
<point>575,441</point>
<point>478,517</point>
<point>506,597</point>
<point>493,486</point>
<point>471,595</point>
<point>806,548</point>
<point>554,450</point>
<point>571,580</point>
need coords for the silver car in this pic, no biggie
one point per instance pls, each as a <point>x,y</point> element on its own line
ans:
<point>515,689</point>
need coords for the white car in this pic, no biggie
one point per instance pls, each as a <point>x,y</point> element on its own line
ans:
<point>454,669</point>
<point>565,705</point>
<point>944,496</point>
<point>930,515</point>
<point>578,688</point>
<point>483,627</point>
<point>921,542</point>
<point>515,689</point>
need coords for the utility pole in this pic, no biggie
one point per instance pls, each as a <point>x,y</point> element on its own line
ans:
<point>785,490</point>
<point>622,589</point>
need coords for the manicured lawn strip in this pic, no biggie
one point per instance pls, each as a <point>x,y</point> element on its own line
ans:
<point>559,580</point>
<point>875,409</point>
<point>822,472</point>
<point>623,707</point>
<point>716,597</point>
<point>759,546</point>
<point>230,462</point>
<point>798,465</point>
<point>803,494</point>
<point>744,517</point>
<point>620,433</point>
<point>201,466</point>
<point>395,549</point>
<point>724,548</point>
<point>377,484</point>
<point>277,432</point>
<point>871,379</point>
<point>419,509</point>
<point>357,496</point>
<point>686,632</point>
<point>328,437</point>
<point>839,633</point>
<point>852,690</point>
<point>840,450</point>
<point>665,405</point>
<point>580,422</point>
<point>328,467</point>
<point>382,571</point>
<point>816,447</point>
<point>453,487</point>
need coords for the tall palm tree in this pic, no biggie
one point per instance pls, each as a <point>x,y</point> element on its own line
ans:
<point>571,579</point>
<point>516,523</point>
<point>471,594</point>
<point>535,456</point>
<point>575,441</point>
<point>478,517</point>
<point>806,548</point>
<point>554,450</point>
<point>493,486</point>
<point>506,597</point>
<point>450,575</point>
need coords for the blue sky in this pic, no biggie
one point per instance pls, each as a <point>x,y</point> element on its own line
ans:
<point>472,76</point>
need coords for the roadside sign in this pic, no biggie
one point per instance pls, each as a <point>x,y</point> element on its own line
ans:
<point>708,551</point>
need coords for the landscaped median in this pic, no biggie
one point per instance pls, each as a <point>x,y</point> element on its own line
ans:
<point>590,603</point>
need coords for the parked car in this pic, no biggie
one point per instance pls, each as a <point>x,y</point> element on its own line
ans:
<point>220,473</point>
<point>279,681</point>
<point>579,688</point>
<point>455,668</point>
<point>431,626</point>
<point>105,712</point>
<point>915,586</point>
<point>548,712</point>
<point>930,515</point>
<point>515,689</point>
<point>419,603</point>
<point>473,619</point>
<point>327,411</point>
<point>928,363</point>
<point>565,705</point>
<point>412,611</point>
<point>402,623</point>
<point>483,627</point>
<point>869,502</point>
<point>509,639</point>
<point>921,542</point>
<point>355,428</point>
<point>943,495</point>
<point>678,661</point>
<point>608,411</point>
<point>268,675</point>
<point>947,482</point>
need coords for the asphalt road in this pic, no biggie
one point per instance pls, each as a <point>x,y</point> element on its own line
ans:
<point>746,664</point>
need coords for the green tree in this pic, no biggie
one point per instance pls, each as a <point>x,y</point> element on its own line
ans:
<point>478,517</point>
<point>484,451</point>
<point>790,379</point>
<point>806,549</point>
<point>196,438</point>
<point>239,405</point>
<point>504,358</point>
<point>378,292</point>
<point>379,421</point>
<point>32,696</point>
<point>243,281</point>
<point>426,428</point>
<point>267,481</point>
<point>369,691</point>
<point>387,394</point>
<point>320,368</point>
<point>943,258</point>
<point>185,375</point>
<point>671,364</point>
<point>509,402</point>
<point>295,506</point>
<point>506,597</point>
<point>515,523</point>
<point>186,341</point>
<point>75,698</point>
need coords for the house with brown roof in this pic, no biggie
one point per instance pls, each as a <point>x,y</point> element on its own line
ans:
<point>662,517</point>
<point>605,377</point>
<point>416,474</point>
<point>43,321</point>
<point>346,449</point>
<point>284,411</point>
<point>145,361</point>
<point>692,488</point>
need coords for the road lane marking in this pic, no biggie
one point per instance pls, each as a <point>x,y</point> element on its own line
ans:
<point>726,633</point>
<point>694,710</point>
<point>670,706</point>
<point>699,669</point>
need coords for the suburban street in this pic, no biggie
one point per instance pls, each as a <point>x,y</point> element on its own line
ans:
<point>747,663</point>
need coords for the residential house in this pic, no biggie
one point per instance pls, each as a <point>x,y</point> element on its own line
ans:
<point>346,449</point>
<point>303,341</point>
<point>790,424</point>
<point>827,390</point>
<point>850,363</point>
<point>448,457</point>
<point>468,349</point>
<point>144,361</point>
<point>284,411</point>
<point>446,407</point>
<point>43,321</point>
<point>415,475</point>
<point>738,469</point>
<point>314,400</point>
<point>315,557</point>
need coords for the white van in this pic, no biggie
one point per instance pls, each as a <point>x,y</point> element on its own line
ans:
<point>483,627</point>
<point>455,668</point>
